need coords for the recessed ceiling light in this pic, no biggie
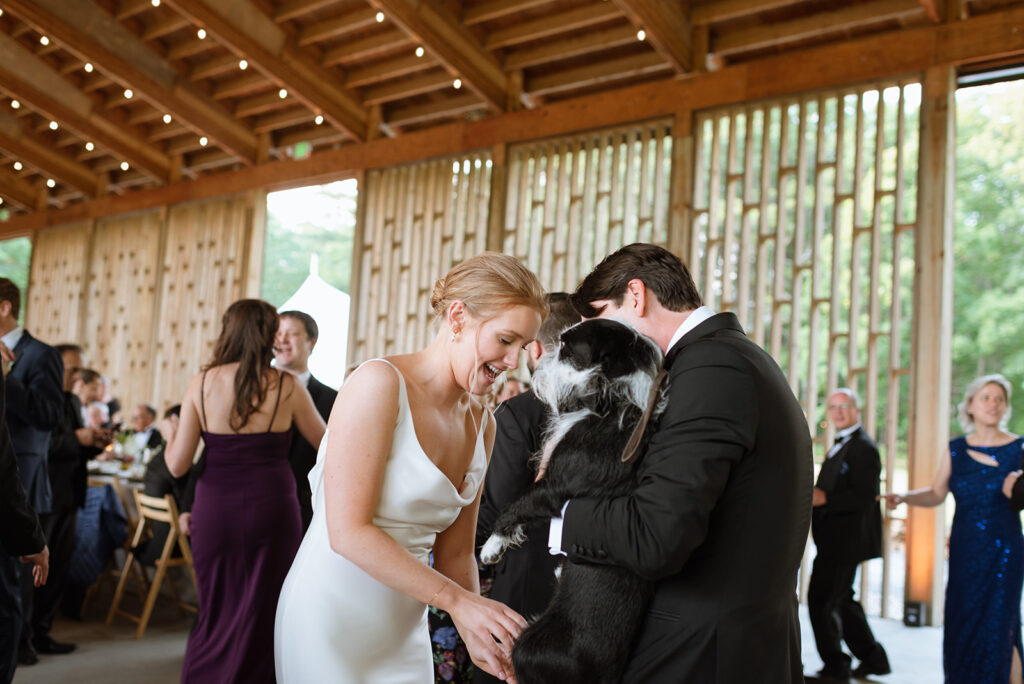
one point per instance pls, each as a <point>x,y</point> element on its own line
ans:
<point>156,3</point>
<point>419,51</point>
<point>50,183</point>
<point>167,118</point>
<point>379,17</point>
<point>201,33</point>
<point>128,93</point>
<point>89,147</point>
<point>15,104</point>
<point>43,40</point>
<point>203,141</point>
<point>457,83</point>
<point>17,166</point>
<point>88,67</point>
<point>53,125</point>
<point>282,93</point>
<point>243,65</point>
<point>319,119</point>
<point>124,166</point>
<point>641,34</point>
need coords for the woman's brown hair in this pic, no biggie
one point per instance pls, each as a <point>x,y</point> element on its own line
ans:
<point>247,338</point>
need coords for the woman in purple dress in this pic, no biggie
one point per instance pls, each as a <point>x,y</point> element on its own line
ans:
<point>245,518</point>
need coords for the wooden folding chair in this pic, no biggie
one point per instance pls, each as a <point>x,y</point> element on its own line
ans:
<point>163,510</point>
<point>111,573</point>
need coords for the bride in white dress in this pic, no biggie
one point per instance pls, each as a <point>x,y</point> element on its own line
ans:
<point>398,476</point>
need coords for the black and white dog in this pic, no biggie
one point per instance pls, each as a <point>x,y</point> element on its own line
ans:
<point>602,386</point>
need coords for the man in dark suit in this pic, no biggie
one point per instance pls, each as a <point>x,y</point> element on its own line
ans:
<point>296,336</point>
<point>145,434</point>
<point>847,529</point>
<point>20,535</point>
<point>720,515</point>
<point>34,407</point>
<point>524,578</point>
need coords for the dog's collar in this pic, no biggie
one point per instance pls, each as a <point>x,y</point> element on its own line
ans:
<point>633,445</point>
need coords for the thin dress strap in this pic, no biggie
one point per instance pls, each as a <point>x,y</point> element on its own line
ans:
<point>202,400</point>
<point>280,386</point>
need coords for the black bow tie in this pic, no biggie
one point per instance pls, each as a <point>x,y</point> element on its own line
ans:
<point>839,439</point>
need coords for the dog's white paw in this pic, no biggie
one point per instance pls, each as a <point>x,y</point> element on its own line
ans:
<point>492,549</point>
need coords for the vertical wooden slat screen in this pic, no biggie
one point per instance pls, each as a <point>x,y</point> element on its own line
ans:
<point>573,200</point>
<point>56,290</point>
<point>418,221</point>
<point>803,224</point>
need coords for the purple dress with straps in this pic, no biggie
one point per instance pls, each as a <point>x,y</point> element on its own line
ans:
<point>245,532</point>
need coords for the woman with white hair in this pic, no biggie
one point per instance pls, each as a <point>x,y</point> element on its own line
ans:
<point>982,639</point>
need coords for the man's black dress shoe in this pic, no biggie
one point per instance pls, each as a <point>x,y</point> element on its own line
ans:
<point>46,644</point>
<point>833,676</point>
<point>868,669</point>
<point>26,656</point>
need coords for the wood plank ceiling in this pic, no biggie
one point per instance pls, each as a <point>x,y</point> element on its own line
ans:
<point>111,96</point>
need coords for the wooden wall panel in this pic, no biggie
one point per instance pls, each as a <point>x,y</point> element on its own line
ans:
<point>417,222</point>
<point>120,316</point>
<point>56,290</point>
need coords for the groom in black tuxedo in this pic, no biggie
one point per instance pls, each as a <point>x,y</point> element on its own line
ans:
<point>297,333</point>
<point>847,529</point>
<point>720,515</point>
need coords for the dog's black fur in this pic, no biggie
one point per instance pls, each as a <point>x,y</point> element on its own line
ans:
<point>597,386</point>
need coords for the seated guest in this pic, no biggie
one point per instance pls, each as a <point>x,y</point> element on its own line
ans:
<point>145,435</point>
<point>97,415</point>
<point>86,385</point>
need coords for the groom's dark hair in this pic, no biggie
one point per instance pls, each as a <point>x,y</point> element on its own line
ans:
<point>661,271</point>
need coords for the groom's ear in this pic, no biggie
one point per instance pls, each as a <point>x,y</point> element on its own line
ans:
<point>637,297</point>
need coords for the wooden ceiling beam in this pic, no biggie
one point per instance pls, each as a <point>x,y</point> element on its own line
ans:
<point>170,23</point>
<point>260,104</point>
<point>726,10</point>
<point>243,26</point>
<point>398,90</point>
<point>430,24</point>
<point>553,25</point>
<point>46,91</point>
<point>129,8</point>
<point>215,66</point>
<point>932,11</point>
<point>246,83</point>
<point>164,131</point>
<point>368,47</point>
<point>386,70</point>
<point>283,119</point>
<point>579,44</point>
<point>189,47</point>
<point>667,27</point>
<point>122,55</point>
<point>769,35</point>
<point>441,109</point>
<point>46,157</point>
<point>352,22</point>
<point>17,190</point>
<point>496,9</point>
<point>298,8</point>
<point>312,134</point>
<point>595,73</point>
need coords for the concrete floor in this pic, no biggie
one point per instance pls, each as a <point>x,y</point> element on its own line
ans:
<point>111,654</point>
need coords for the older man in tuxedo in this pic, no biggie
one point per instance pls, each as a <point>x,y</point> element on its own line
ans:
<point>847,529</point>
<point>34,407</point>
<point>720,514</point>
<point>297,333</point>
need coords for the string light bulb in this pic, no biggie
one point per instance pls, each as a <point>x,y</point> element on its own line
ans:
<point>243,64</point>
<point>50,183</point>
<point>17,166</point>
<point>167,118</point>
<point>379,17</point>
<point>128,93</point>
<point>457,83</point>
<point>319,119</point>
<point>89,147</point>
<point>53,125</point>
<point>43,40</point>
<point>15,104</point>
<point>124,166</point>
<point>203,141</point>
<point>641,34</point>
<point>419,51</point>
<point>88,67</point>
<point>155,3</point>
<point>282,93</point>
<point>201,33</point>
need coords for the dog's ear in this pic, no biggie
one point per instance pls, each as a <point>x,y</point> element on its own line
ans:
<point>632,449</point>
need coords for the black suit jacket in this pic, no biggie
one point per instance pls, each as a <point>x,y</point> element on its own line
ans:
<point>302,456</point>
<point>719,518</point>
<point>35,406</point>
<point>20,532</point>
<point>67,458</point>
<point>848,526</point>
<point>524,579</point>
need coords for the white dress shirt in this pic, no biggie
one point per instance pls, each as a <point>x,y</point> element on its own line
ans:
<point>842,437</point>
<point>12,338</point>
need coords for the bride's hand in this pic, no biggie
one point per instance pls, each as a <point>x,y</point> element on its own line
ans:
<point>488,628</point>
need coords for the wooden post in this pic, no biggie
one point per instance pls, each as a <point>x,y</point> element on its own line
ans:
<point>354,281</point>
<point>499,195</point>
<point>681,191</point>
<point>932,337</point>
<point>83,308</point>
<point>254,238</point>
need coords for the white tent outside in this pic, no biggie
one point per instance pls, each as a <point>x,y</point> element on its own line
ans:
<point>329,307</point>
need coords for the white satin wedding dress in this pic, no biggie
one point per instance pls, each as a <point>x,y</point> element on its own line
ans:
<point>335,623</point>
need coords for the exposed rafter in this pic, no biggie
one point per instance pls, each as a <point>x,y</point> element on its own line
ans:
<point>666,26</point>
<point>362,18</point>
<point>46,157</point>
<point>45,90</point>
<point>417,85</point>
<point>244,27</point>
<point>725,10</point>
<point>92,34</point>
<point>404,116</point>
<point>496,9</point>
<point>580,44</point>
<point>556,24</point>
<point>597,72</point>
<point>452,44</point>
<point>17,190</point>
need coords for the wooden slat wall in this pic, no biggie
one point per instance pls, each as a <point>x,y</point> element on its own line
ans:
<point>573,200</point>
<point>144,293</point>
<point>804,224</point>
<point>56,290</point>
<point>419,221</point>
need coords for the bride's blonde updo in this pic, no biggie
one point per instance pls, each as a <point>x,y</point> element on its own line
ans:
<point>488,283</point>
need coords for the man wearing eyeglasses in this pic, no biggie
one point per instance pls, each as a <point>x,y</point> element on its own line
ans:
<point>847,529</point>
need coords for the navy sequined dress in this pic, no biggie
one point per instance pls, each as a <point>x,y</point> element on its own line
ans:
<point>986,568</point>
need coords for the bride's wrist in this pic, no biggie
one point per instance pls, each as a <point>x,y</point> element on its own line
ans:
<point>445,597</point>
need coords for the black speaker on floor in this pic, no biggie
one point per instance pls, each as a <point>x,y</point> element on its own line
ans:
<point>915,613</point>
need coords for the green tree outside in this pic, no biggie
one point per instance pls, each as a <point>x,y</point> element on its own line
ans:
<point>15,259</point>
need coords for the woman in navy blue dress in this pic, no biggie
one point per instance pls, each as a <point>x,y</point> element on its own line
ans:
<point>982,638</point>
